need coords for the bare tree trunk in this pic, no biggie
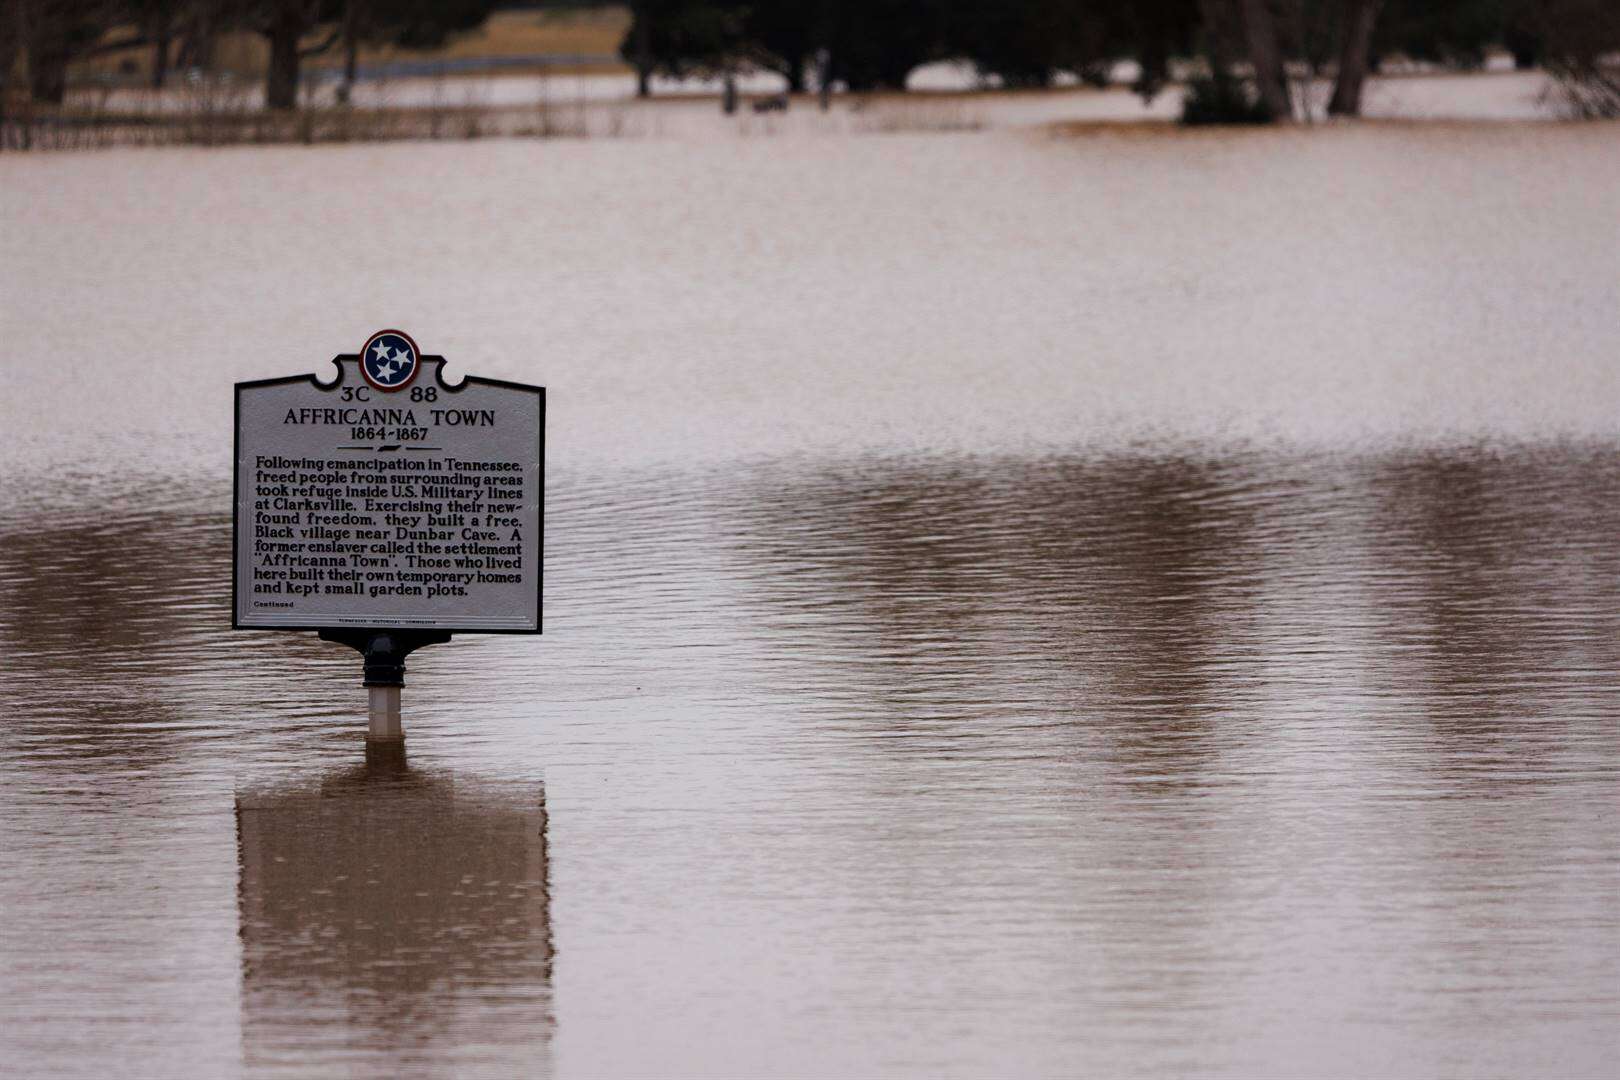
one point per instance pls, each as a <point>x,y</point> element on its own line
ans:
<point>728,93</point>
<point>1155,68</point>
<point>351,50</point>
<point>11,34</point>
<point>11,24</point>
<point>1218,19</point>
<point>351,66</point>
<point>162,38</point>
<point>43,40</point>
<point>1355,43</point>
<point>644,64</point>
<point>281,81</point>
<point>1265,54</point>
<point>197,38</point>
<point>47,71</point>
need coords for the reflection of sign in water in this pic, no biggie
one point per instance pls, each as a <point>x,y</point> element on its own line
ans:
<point>388,498</point>
<point>399,921</point>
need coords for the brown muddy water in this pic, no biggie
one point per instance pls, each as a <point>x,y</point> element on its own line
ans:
<point>1133,605</point>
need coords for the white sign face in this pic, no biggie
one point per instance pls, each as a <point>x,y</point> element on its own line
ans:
<point>388,499</point>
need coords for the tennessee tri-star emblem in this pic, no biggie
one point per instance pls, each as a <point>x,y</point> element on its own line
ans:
<point>389,360</point>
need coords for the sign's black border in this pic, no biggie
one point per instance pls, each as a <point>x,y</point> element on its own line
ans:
<point>438,377</point>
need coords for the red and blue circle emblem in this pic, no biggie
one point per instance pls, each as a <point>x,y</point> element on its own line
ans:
<point>389,360</point>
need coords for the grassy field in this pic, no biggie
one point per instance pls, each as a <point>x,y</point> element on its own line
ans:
<point>581,31</point>
<point>531,32</point>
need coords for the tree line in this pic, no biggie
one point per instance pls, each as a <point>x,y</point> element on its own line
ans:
<point>50,35</point>
<point>1255,53</point>
<point>1250,57</point>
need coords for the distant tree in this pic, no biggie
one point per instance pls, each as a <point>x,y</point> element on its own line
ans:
<point>164,25</point>
<point>686,37</point>
<point>785,35</point>
<point>1456,33</point>
<point>1259,29</point>
<point>1031,42</point>
<point>1358,18</point>
<point>1024,43</point>
<point>55,33</point>
<point>865,44</point>
<point>1264,39</point>
<point>1575,40</point>
<point>683,38</point>
<point>155,21</point>
<point>285,24</point>
<point>636,48</point>
<point>11,39</point>
<point>1152,31</point>
<point>1579,42</point>
<point>197,28</point>
<point>407,24</point>
<point>1520,36</point>
<point>877,44</point>
<point>161,24</point>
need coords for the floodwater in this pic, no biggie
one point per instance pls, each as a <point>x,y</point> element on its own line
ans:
<point>1137,605</point>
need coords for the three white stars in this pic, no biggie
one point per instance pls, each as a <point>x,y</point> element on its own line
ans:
<point>389,361</point>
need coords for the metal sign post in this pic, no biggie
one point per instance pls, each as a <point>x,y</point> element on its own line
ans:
<point>385,652</point>
<point>388,509</point>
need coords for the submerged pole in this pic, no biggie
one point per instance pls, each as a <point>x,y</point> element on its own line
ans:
<point>384,715</point>
<point>385,652</point>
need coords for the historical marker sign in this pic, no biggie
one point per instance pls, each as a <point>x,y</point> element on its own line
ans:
<point>388,499</point>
